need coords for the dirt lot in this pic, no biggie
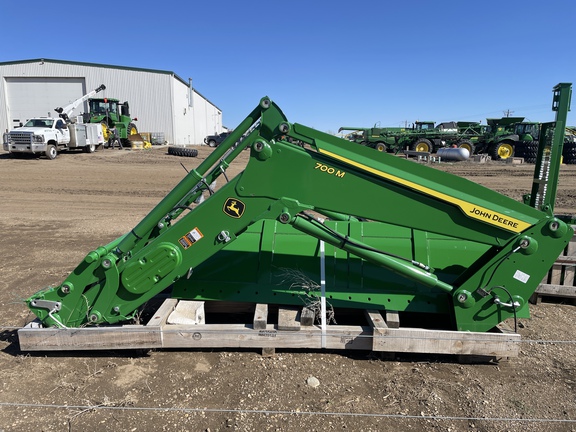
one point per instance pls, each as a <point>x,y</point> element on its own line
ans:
<point>54,212</point>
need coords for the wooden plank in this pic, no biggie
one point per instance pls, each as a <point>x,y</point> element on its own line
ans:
<point>163,312</point>
<point>188,312</point>
<point>244,336</point>
<point>378,336</point>
<point>89,338</point>
<point>448,342</point>
<point>393,319</point>
<point>555,290</point>
<point>570,270</point>
<point>344,337</point>
<point>378,325</point>
<point>375,319</point>
<point>556,274</point>
<point>307,317</point>
<point>289,318</point>
<point>260,316</point>
<point>565,259</point>
<point>535,298</point>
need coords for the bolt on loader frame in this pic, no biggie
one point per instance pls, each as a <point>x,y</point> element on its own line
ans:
<point>397,235</point>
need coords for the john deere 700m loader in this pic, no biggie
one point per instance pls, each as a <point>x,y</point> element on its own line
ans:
<point>396,235</point>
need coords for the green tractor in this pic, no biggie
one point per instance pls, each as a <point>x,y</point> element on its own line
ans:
<point>381,139</point>
<point>501,138</point>
<point>115,119</point>
<point>528,135</point>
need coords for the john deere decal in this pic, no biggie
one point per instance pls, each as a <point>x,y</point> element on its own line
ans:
<point>234,208</point>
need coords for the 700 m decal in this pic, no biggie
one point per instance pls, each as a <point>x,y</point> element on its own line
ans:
<point>329,170</point>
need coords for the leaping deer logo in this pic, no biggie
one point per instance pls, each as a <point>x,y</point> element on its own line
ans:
<point>234,208</point>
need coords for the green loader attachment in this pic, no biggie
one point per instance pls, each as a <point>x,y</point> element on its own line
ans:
<point>309,210</point>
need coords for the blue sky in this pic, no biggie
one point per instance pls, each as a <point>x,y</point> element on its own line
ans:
<point>325,63</point>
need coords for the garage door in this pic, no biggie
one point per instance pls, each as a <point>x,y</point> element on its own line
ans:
<point>34,97</point>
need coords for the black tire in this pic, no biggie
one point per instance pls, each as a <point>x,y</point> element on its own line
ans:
<point>212,143</point>
<point>569,153</point>
<point>502,150</point>
<point>466,144</point>
<point>531,152</point>
<point>51,152</point>
<point>130,130</point>
<point>182,151</point>
<point>380,146</point>
<point>422,145</point>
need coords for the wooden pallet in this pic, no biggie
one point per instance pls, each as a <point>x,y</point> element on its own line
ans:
<point>559,282</point>
<point>292,328</point>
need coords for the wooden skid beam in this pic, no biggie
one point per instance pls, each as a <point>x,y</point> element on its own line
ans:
<point>378,335</point>
<point>410,340</point>
<point>90,338</point>
<point>554,290</point>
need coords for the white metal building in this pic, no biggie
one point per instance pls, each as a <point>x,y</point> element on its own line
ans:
<point>162,102</point>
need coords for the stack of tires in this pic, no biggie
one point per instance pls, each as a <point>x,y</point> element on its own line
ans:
<point>569,152</point>
<point>527,150</point>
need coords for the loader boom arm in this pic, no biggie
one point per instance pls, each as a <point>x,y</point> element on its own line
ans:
<point>66,111</point>
<point>298,186</point>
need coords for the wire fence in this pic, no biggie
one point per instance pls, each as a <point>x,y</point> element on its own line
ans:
<point>104,407</point>
<point>260,412</point>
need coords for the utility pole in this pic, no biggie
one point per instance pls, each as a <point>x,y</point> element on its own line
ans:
<point>508,112</point>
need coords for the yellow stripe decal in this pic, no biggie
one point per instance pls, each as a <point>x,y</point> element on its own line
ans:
<point>471,210</point>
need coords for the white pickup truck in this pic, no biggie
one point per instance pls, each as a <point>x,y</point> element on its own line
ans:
<point>46,135</point>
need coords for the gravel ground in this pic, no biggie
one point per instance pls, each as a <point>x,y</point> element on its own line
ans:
<point>54,212</point>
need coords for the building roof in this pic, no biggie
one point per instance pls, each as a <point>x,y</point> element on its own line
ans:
<point>159,71</point>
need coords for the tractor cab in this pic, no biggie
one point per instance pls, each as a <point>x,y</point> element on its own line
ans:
<point>424,125</point>
<point>102,108</point>
<point>527,131</point>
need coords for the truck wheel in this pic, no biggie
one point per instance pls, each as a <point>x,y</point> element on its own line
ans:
<point>422,145</point>
<point>465,144</point>
<point>502,150</point>
<point>380,146</point>
<point>212,143</point>
<point>90,148</point>
<point>51,152</point>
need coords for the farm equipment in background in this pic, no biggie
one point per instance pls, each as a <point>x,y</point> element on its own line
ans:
<point>381,139</point>
<point>501,138</point>
<point>117,124</point>
<point>377,231</point>
<point>512,136</point>
<point>569,152</point>
<point>423,136</point>
<point>508,136</point>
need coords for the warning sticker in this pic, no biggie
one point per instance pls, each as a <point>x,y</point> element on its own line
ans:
<point>521,276</point>
<point>190,238</point>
